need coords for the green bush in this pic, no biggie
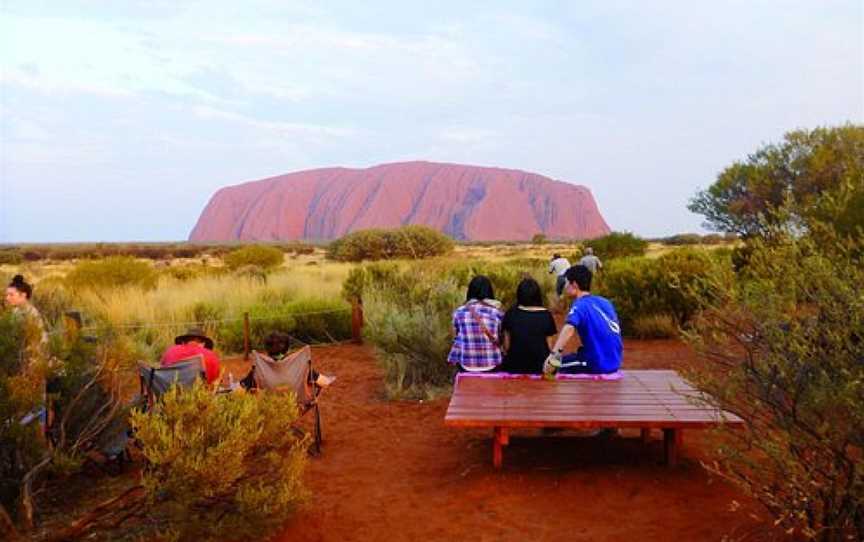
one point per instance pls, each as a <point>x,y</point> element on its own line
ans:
<point>783,347</point>
<point>412,339</point>
<point>539,239</point>
<point>683,239</point>
<point>10,256</point>
<point>409,242</point>
<point>190,271</point>
<point>654,326</point>
<point>409,312</point>
<point>673,284</point>
<point>261,256</point>
<point>309,320</point>
<point>19,445</point>
<point>231,459</point>
<point>618,245</point>
<point>113,271</point>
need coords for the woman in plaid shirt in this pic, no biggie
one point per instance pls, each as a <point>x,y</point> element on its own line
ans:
<point>477,329</point>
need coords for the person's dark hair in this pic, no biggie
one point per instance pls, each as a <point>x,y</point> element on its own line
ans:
<point>528,293</point>
<point>480,288</point>
<point>277,343</point>
<point>556,256</point>
<point>581,275</point>
<point>21,285</point>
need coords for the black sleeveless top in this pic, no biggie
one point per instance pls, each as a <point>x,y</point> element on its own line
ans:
<point>528,347</point>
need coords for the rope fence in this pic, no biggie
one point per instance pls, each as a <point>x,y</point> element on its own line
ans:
<point>148,325</point>
<point>73,324</point>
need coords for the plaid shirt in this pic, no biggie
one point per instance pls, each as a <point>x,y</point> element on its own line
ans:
<point>472,349</point>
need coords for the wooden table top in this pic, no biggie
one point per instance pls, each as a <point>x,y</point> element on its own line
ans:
<point>641,398</point>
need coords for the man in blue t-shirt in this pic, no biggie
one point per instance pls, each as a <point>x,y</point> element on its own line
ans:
<point>594,318</point>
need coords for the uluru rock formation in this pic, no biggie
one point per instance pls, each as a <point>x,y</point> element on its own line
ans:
<point>465,202</point>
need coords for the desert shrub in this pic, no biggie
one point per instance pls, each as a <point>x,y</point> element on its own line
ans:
<point>654,326</point>
<point>539,239</point>
<point>297,247</point>
<point>187,272</point>
<point>52,299</point>
<point>253,272</point>
<point>261,256</point>
<point>713,239</point>
<point>683,284</point>
<point>114,271</point>
<point>410,242</point>
<point>19,445</point>
<point>309,320</point>
<point>674,284</point>
<point>412,339</point>
<point>10,256</point>
<point>783,347</point>
<point>231,459</point>
<point>409,310</point>
<point>683,239</point>
<point>85,397</point>
<point>618,245</point>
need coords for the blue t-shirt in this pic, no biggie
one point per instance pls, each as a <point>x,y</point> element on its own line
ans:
<point>597,323</point>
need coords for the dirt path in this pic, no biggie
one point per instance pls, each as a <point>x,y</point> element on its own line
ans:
<point>392,471</point>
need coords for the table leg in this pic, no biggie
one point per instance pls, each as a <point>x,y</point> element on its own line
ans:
<point>500,438</point>
<point>671,441</point>
<point>646,435</point>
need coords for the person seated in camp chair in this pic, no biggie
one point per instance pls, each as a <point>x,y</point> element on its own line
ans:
<point>194,343</point>
<point>277,346</point>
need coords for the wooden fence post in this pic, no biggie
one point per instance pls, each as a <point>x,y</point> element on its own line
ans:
<point>357,320</point>
<point>246,336</point>
<point>71,326</point>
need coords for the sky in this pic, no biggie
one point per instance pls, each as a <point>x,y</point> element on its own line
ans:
<point>119,120</point>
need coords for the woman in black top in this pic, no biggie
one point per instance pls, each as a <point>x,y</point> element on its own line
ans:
<point>527,326</point>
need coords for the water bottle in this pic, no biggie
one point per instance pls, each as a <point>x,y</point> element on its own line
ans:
<point>551,365</point>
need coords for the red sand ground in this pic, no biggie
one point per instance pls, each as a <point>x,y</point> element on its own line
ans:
<point>392,471</point>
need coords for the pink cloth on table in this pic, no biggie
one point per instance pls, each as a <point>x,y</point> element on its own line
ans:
<point>617,375</point>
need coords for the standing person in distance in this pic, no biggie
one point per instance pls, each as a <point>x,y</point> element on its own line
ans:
<point>559,265</point>
<point>591,261</point>
<point>35,349</point>
<point>594,318</point>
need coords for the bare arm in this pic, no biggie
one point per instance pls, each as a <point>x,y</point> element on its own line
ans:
<point>563,338</point>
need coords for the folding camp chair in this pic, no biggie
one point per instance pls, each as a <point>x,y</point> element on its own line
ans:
<point>291,373</point>
<point>155,381</point>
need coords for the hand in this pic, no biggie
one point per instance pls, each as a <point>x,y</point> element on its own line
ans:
<point>552,363</point>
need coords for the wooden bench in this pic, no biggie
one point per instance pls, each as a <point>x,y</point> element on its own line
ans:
<point>643,399</point>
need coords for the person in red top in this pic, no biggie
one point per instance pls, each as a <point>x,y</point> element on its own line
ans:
<point>194,342</point>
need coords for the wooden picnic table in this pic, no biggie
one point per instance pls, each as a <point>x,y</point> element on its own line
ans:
<point>643,399</point>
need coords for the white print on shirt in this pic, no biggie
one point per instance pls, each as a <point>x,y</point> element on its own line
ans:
<point>613,325</point>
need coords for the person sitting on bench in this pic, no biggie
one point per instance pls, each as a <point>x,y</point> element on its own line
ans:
<point>596,321</point>
<point>477,329</point>
<point>193,343</point>
<point>528,327</point>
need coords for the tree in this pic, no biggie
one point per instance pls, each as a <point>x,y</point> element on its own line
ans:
<point>783,347</point>
<point>263,257</point>
<point>539,239</point>
<point>821,172</point>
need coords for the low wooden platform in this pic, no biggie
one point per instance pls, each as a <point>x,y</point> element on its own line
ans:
<point>644,399</point>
